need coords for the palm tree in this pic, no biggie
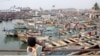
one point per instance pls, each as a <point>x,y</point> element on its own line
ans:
<point>96,6</point>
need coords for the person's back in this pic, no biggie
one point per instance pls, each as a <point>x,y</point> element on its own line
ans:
<point>31,49</point>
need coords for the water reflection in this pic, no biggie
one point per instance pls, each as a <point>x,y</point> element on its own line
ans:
<point>9,39</point>
<point>23,46</point>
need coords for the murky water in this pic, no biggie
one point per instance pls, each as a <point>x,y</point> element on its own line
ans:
<point>10,43</point>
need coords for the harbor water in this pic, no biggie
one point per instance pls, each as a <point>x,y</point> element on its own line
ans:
<point>10,43</point>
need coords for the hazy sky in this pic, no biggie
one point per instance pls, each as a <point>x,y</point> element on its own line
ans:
<point>47,4</point>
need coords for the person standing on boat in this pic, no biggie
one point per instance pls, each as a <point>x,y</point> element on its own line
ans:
<point>97,34</point>
<point>81,35</point>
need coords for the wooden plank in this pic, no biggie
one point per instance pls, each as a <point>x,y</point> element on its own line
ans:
<point>81,43</point>
<point>86,44</point>
<point>73,39</point>
<point>68,40</point>
<point>55,43</point>
<point>61,42</point>
<point>49,45</point>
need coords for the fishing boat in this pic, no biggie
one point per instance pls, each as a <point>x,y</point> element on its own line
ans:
<point>20,25</point>
<point>11,32</point>
<point>23,36</point>
<point>94,53</point>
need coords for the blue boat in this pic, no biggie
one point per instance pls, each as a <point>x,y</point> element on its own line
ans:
<point>10,32</point>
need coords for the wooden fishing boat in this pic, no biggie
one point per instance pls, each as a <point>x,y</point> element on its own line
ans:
<point>24,36</point>
<point>11,32</point>
<point>20,25</point>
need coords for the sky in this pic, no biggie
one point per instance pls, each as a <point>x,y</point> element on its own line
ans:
<point>48,4</point>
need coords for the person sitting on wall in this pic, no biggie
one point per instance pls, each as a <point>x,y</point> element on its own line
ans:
<point>31,49</point>
<point>35,47</point>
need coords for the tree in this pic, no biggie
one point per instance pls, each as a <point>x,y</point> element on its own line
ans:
<point>96,6</point>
